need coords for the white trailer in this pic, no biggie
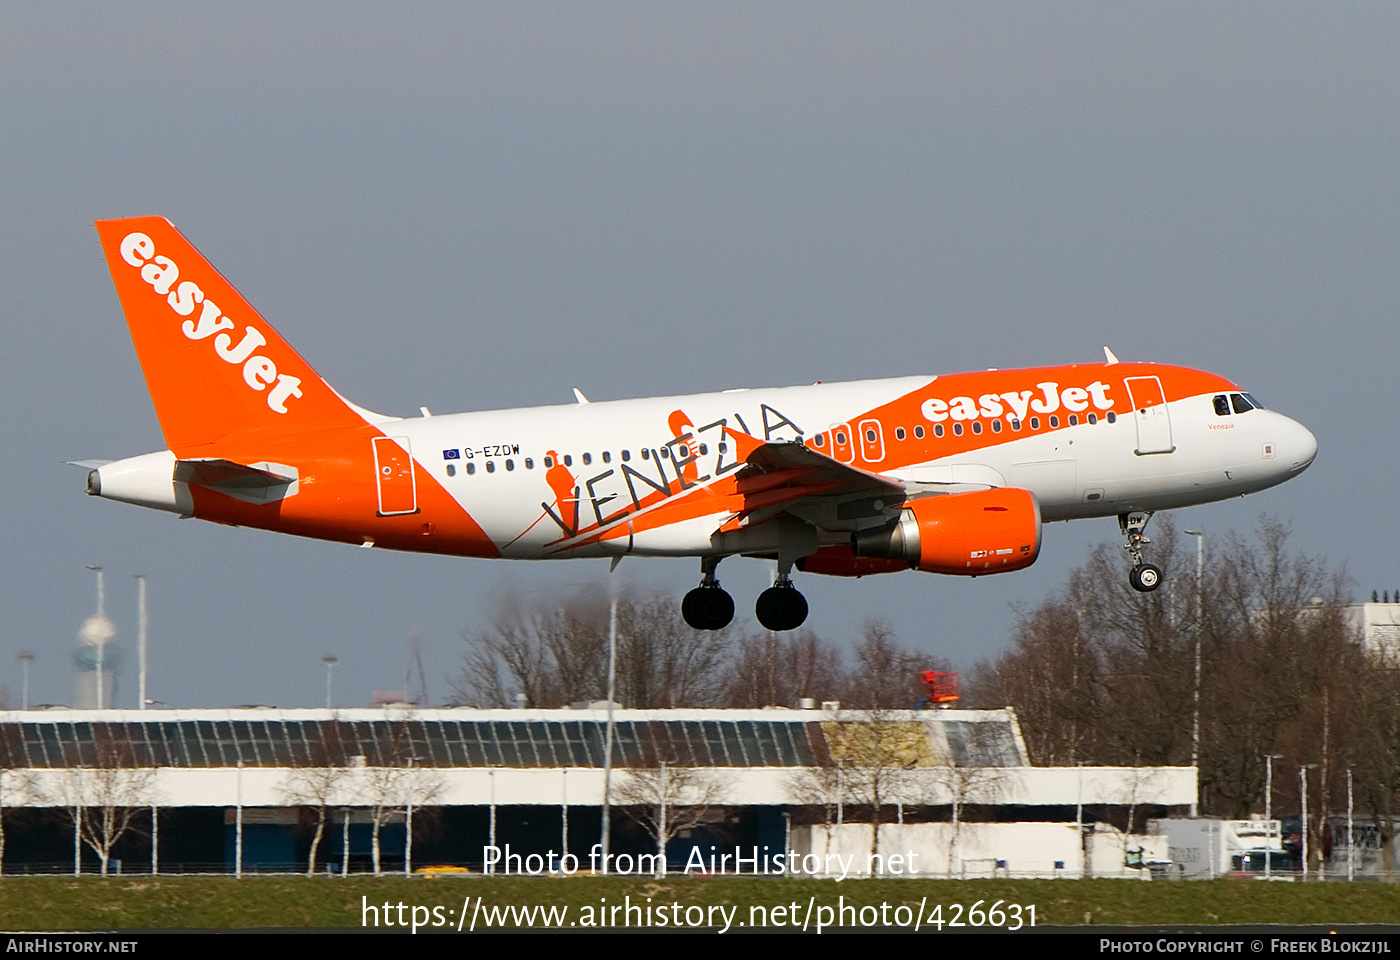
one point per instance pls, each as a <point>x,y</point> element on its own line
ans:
<point>1202,848</point>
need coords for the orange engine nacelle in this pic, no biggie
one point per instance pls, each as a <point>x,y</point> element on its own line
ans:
<point>988,531</point>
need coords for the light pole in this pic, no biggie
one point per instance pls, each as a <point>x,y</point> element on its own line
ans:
<point>330,660</point>
<point>141,638</point>
<point>1269,759</point>
<point>408,824</point>
<point>101,591</point>
<point>25,658</point>
<point>1351,867</point>
<point>608,736</point>
<point>1303,769</point>
<point>1196,694</point>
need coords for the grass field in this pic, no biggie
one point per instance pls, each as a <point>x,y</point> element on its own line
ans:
<point>91,903</point>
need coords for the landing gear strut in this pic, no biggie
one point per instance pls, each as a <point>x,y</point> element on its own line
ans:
<point>708,606</point>
<point>781,606</point>
<point>1143,577</point>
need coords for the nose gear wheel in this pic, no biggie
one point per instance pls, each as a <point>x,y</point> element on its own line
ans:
<point>1143,577</point>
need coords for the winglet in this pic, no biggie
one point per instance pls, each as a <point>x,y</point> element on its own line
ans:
<point>1108,357</point>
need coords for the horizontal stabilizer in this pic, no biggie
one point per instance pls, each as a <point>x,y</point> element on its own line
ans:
<point>251,483</point>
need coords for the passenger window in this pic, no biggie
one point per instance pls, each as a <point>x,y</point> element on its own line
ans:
<point>821,440</point>
<point>587,459</point>
<point>919,432</point>
<point>568,460</point>
<point>451,470</point>
<point>996,426</point>
<point>626,455</point>
<point>471,468</point>
<point>1222,405</point>
<point>510,464</point>
<point>490,466</point>
<point>957,429</point>
<point>1112,417</point>
<point>1035,423</point>
<point>529,463</point>
<point>1093,419</point>
<point>607,456</point>
<point>549,461</point>
<point>646,453</point>
<point>977,427</point>
<point>899,433</point>
<point>704,450</point>
<point>1073,420</point>
<point>1054,422</point>
<point>937,429</point>
<point>1015,424</point>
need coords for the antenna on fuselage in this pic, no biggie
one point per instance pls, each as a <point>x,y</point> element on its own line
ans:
<point>1108,357</point>
<point>578,395</point>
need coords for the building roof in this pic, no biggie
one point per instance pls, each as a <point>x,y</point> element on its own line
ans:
<point>458,737</point>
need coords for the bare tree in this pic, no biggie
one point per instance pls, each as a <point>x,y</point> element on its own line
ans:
<point>395,781</point>
<point>967,773</point>
<point>887,673</point>
<point>325,781</point>
<point>1104,674</point>
<point>670,798</point>
<point>779,669</point>
<point>556,656</point>
<point>875,756</point>
<point>1376,720</point>
<point>107,798</point>
<point>821,786</point>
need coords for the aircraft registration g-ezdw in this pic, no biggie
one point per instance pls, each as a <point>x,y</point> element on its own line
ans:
<point>950,474</point>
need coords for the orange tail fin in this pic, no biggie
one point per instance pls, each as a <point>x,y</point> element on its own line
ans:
<point>213,365</point>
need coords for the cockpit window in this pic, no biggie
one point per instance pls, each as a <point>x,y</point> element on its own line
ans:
<point>1222,405</point>
<point>1241,405</point>
<point>1253,402</point>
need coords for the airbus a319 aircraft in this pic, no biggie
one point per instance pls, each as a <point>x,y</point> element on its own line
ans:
<point>948,474</point>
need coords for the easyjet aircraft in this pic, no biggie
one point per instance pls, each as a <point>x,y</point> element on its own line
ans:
<point>950,474</point>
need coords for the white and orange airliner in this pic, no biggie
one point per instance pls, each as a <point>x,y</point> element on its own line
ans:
<point>950,474</point>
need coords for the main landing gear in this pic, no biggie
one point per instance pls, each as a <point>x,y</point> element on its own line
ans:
<point>1143,577</point>
<point>709,607</point>
<point>781,606</point>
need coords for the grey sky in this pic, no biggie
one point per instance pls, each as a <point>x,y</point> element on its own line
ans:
<point>478,206</point>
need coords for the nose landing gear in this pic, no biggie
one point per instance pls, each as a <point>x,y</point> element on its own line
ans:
<point>1143,577</point>
<point>708,606</point>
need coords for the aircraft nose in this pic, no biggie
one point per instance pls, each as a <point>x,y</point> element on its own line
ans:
<point>1298,446</point>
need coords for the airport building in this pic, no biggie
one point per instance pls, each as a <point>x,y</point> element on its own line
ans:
<point>244,789</point>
